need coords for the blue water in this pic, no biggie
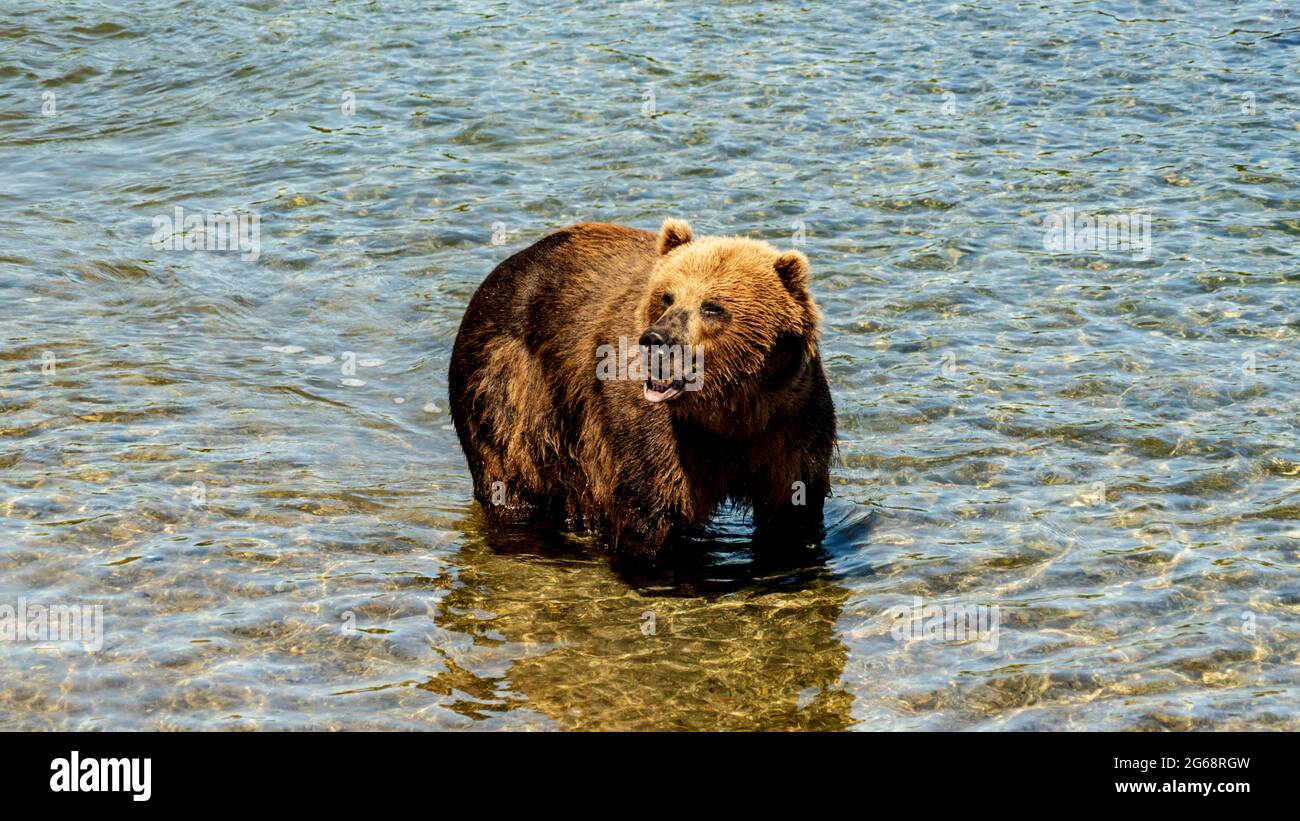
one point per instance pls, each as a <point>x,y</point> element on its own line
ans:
<point>249,465</point>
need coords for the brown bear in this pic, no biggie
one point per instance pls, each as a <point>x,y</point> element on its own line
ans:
<point>566,407</point>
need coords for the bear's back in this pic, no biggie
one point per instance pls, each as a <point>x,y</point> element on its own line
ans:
<point>551,290</point>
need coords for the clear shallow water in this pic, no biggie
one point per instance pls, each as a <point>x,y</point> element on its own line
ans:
<point>277,548</point>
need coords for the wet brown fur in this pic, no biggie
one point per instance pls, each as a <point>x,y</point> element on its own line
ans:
<point>532,414</point>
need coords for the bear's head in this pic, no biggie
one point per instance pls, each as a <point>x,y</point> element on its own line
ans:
<point>738,314</point>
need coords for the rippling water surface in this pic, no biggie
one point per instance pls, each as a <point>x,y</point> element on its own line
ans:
<point>249,463</point>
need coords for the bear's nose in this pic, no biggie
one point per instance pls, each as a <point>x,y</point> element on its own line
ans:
<point>653,338</point>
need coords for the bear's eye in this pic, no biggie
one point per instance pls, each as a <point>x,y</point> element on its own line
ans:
<point>667,299</point>
<point>711,310</point>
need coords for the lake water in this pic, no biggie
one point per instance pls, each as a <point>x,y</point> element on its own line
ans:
<point>248,464</point>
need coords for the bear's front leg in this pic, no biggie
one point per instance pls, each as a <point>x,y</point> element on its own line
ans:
<point>789,487</point>
<point>636,531</point>
<point>791,511</point>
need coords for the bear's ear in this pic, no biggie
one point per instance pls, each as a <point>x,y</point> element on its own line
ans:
<point>792,268</point>
<point>673,234</point>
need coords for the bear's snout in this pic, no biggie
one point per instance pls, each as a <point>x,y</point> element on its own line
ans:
<point>664,365</point>
<point>655,338</point>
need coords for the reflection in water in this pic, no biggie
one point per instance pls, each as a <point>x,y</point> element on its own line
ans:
<point>740,639</point>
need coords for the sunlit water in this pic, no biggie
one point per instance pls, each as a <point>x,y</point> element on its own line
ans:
<point>251,467</point>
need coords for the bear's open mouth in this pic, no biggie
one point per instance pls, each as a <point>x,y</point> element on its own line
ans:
<point>662,390</point>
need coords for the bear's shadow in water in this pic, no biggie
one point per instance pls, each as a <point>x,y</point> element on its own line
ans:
<point>721,558</point>
<point>730,635</point>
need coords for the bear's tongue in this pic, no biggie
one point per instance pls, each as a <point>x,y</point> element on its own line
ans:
<point>656,391</point>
